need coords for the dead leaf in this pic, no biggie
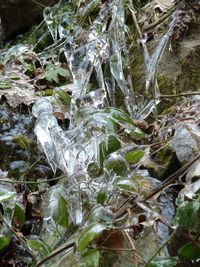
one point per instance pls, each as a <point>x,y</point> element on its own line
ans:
<point>20,93</point>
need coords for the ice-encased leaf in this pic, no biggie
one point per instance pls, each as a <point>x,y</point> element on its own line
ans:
<point>53,72</point>
<point>102,214</point>
<point>18,218</point>
<point>50,19</point>
<point>101,122</point>
<point>116,163</point>
<point>119,115</point>
<point>163,262</point>
<point>106,147</point>
<point>134,132</point>
<point>14,52</point>
<point>39,246</point>
<point>88,234</point>
<point>57,206</point>
<point>64,97</point>
<point>5,237</point>
<point>102,195</point>
<point>7,193</point>
<point>135,156</point>
<point>127,184</point>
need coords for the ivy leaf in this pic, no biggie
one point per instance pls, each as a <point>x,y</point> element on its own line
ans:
<point>101,122</point>
<point>5,237</point>
<point>107,147</point>
<point>90,258</point>
<point>187,214</point>
<point>190,251</point>
<point>134,156</point>
<point>39,246</point>
<point>134,132</point>
<point>64,97</point>
<point>7,193</point>
<point>116,163</point>
<point>163,262</point>
<point>102,195</point>
<point>88,234</point>
<point>119,115</point>
<point>127,184</point>
<point>4,242</point>
<point>53,72</point>
<point>18,218</point>
<point>58,207</point>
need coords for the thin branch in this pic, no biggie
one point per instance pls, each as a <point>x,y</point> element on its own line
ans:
<point>33,182</point>
<point>180,95</point>
<point>38,3</point>
<point>171,179</point>
<point>56,252</point>
<point>112,249</point>
<point>133,246</point>
<point>159,21</point>
<point>163,245</point>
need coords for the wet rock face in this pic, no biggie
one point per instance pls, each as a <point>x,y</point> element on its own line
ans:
<point>17,15</point>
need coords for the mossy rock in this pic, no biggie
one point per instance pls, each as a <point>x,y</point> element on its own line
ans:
<point>163,164</point>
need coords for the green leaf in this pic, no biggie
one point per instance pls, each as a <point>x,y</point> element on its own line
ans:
<point>7,193</point>
<point>39,245</point>
<point>4,241</point>
<point>107,147</point>
<point>134,156</point>
<point>90,258</point>
<point>187,214</point>
<point>101,122</point>
<point>119,115</point>
<point>5,237</point>
<point>58,207</point>
<point>18,218</point>
<point>48,92</point>
<point>88,234</point>
<point>63,72</point>
<point>5,85</point>
<point>116,163</point>
<point>163,262</point>
<point>53,72</point>
<point>134,132</point>
<point>190,251</point>
<point>52,76</point>
<point>102,195</point>
<point>64,97</point>
<point>127,184</point>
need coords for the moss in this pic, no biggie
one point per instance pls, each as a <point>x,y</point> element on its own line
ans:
<point>189,79</point>
<point>138,70</point>
<point>164,164</point>
<point>22,140</point>
<point>166,87</point>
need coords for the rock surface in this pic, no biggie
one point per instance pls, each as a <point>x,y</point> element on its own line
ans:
<point>186,141</point>
<point>18,15</point>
